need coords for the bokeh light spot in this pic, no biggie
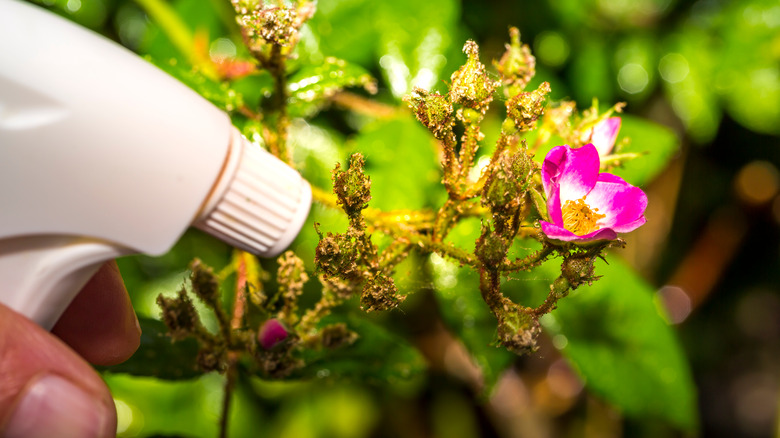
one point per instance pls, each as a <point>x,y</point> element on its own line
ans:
<point>222,48</point>
<point>676,302</point>
<point>551,48</point>
<point>560,341</point>
<point>757,182</point>
<point>633,78</point>
<point>73,5</point>
<point>674,68</point>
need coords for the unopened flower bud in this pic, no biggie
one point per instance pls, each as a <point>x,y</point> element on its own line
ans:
<point>380,293</point>
<point>526,108</point>
<point>274,25</point>
<point>179,315</point>
<point>578,269</point>
<point>504,186</point>
<point>337,254</point>
<point>204,282</point>
<point>471,86</point>
<point>352,186</point>
<point>271,334</point>
<point>517,331</point>
<point>517,66</point>
<point>432,110</point>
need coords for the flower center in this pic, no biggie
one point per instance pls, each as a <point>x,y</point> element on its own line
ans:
<point>579,218</point>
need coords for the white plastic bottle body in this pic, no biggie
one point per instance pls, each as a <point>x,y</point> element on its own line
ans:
<point>95,140</point>
<point>101,154</point>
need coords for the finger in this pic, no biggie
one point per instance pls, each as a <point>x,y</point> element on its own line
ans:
<point>100,323</point>
<point>47,390</point>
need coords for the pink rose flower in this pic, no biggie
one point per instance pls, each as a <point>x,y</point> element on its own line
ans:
<point>604,134</point>
<point>583,204</point>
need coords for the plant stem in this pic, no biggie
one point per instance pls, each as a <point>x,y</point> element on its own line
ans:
<point>230,383</point>
<point>276,65</point>
<point>490,287</point>
<point>239,306</point>
<point>361,105</point>
<point>529,261</point>
<point>426,243</point>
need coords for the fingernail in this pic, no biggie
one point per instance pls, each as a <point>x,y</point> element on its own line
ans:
<point>54,407</point>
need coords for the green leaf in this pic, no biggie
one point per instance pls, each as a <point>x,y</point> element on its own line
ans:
<point>378,356</point>
<point>616,338</point>
<point>158,356</point>
<point>655,145</point>
<point>312,85</point>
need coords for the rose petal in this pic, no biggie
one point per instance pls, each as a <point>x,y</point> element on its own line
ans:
<point>551,168</point>
<point>604,135</point>
<point>554,205</point>
<point>574,170</point>
<point>622,203</point>
<point>557,232</point>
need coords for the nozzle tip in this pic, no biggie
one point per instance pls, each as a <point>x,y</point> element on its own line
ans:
<point>263,205</point>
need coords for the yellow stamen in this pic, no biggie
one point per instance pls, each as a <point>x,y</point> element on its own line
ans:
<point>579,218</point>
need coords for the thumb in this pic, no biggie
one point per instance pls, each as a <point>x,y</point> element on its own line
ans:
<point>47,390</point>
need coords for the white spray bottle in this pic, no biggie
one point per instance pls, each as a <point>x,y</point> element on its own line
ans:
<point>104,155</point>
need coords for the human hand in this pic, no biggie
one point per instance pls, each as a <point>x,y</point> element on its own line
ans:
<point>47,388</point>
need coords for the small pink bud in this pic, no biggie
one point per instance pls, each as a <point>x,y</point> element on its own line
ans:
<point>271,333</point>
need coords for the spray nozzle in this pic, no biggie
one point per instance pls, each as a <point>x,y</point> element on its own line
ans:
<point>258,204</point>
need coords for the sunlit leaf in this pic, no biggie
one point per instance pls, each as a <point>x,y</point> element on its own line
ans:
<point>219,93</point>
<point>411,39</point>
<point>311,86</point>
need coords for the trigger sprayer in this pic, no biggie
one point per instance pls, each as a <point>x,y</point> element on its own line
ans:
<point>104,155</point>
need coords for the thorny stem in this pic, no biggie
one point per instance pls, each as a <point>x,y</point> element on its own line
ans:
<point>239,303</point>
<point>230,383</point>
<point>450,164</point>
<point>548,305</point>
<point>377,218</point>
<point>239,306</point>
<point>490,287</point>
<point>530,261</point>
<point>394,254</point>
<point>333,294</point>
<point>505,139</point>
<point>446,218</point>
<point>426,243</point>
<point>468,148</point>
<point>276,65</point>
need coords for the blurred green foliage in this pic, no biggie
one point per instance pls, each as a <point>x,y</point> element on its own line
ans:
<point>697,60</point>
